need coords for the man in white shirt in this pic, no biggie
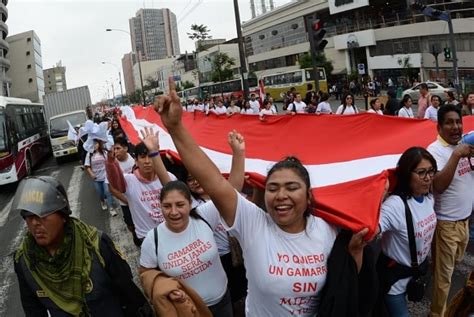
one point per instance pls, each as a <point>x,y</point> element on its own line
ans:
<point>126,163</point>
<point>297,106</point>
<point>142,188</point>
<point>453,187</point>
<point>254,104</point>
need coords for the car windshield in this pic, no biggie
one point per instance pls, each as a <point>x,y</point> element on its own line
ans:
<point>59,126</point>
<point>3,134</point>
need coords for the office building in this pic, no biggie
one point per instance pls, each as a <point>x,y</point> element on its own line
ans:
<point>55,79</point>
<point>154,34</point>
<point>386,40</point>
<point>4,61</point>
<point>26,70</point>
<point>128,77</point>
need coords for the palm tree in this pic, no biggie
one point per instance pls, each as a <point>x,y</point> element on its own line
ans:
<point>199,33</point>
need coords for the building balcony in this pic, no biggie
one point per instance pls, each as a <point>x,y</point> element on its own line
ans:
<point>4,44</point>
<point>5,63</point>
<point>4,10</point>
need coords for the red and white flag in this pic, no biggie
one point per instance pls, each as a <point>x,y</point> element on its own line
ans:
<point>261,91</point>
<point>347,156</point>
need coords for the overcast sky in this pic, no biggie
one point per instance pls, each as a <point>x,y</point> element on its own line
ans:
<point>73,32</point>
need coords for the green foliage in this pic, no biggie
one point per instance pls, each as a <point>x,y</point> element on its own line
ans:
<point>187,84</point>
<point>222,67</point>
<point>321,61</point>
<point>135,97</point>
<point>199,33</point>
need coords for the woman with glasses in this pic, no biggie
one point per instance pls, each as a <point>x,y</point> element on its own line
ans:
<point>347,106</point>
<point>414,176</point>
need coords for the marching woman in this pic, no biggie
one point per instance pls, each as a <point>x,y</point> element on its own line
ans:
<point>286,250</point>
<point>407,224</point>
<point>375,106</point>
<point>348,106</point>
<point>184,247</point>
<point>406,110</point>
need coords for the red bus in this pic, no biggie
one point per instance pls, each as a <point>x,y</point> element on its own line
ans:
<point>24,138</point>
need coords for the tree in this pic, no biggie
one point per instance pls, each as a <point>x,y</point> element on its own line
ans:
<point>199,33</point>
<point>187,84</point>
<point>136,96</point>
<point>321,61</point>
<point>222,67</point>
<point>151,83</point>
<point>407,67</point>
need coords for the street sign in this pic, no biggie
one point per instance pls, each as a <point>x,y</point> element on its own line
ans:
<point>177,78</point>
<point>361,68</point>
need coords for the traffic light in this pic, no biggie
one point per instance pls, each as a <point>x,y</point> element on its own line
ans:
<point>447,53</point>
<point>316,33</point>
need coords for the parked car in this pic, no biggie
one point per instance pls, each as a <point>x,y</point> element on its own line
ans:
<point>434,88</point>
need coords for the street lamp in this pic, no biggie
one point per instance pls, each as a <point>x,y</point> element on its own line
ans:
<point>139,61</point>
<point>120,76</point>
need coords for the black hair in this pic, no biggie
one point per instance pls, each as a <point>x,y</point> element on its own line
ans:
<point>443,110</point>
<point>324,96</point>
<point>438,97</point>
<point>451,95</point>
<point>424,86</point>
<point>140,149</point>
<point>309,86</point>
<point>294,164</point>
<point>121,141</point>
<point>404,100</point>
<point>344,105</point>
<point>372,103</point>
<point>406,165</point>
<point>391,93</point>
<point>182,188</point>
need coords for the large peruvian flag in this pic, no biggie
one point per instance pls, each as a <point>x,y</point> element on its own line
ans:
<point>347,156</point>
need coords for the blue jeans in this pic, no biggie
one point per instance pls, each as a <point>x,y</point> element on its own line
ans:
<point>103,190</point>
<point>397,305</point>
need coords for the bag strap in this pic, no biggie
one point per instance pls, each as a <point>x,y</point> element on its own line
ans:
<point>155,235</point>
<point>411,236</point>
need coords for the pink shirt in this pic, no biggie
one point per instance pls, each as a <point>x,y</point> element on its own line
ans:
<point>423,103</point>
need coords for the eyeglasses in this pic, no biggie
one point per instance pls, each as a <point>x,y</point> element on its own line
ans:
<point>422,173</point>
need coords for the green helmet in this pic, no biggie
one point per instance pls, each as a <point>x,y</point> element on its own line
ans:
<point>41,196</point>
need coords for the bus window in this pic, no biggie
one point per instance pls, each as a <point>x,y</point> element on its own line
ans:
<point>3,133</point>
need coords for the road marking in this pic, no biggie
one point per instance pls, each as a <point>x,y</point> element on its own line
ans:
<point>73,191</point>
<point>6,265</point>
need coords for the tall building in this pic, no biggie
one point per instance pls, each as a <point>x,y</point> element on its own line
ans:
<point>128,77</point>
<point>381,39</point>
<point>55,79</point>
<point>154,34</point>
<point>26,71</point>
<point>4,62</point>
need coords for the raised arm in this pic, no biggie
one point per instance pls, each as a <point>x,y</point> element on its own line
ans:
<point>197,163</point>
<point>443,178</point>
<point>152,143</point>
<point>114,173</point>
<point>237,170</point>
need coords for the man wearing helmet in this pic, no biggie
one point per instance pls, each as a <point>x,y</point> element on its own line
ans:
<point>64,266</point>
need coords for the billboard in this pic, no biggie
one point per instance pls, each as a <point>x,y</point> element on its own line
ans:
<point>337,6</point>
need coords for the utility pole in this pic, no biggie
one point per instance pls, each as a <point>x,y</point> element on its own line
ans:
<point>141,76</point>
<point>317,44</point>
<point>243,62</point>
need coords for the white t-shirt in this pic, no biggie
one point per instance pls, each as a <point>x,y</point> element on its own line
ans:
<point>286,272</point>
<point>96,161</point>
<point>431,113</point>
<point>233,109</point>
<point>456,202</point>
<point>297,107</point>
<point>201,107</point>
<point>324,107</point>
<point>273,108</point>
<point>219,110</point>
<point>144,202</point>
<point>190,256</point>
<point>349,110</point>
<point>377,112</point>
<point>393,225</point>
<point>126,167</point>
<point>191,108</point>
<point>405,112</point>
<point>264,112</point>
<point>247,111</point>
<point>255,106</point>
<point>213,218</point>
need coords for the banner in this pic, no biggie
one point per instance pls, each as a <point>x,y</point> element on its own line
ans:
<point>347,156</point>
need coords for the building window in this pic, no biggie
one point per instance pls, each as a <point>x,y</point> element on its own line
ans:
<point>28,39</point>
<point>28,67</point>
<point>27,53</point>
<point>30,80</point>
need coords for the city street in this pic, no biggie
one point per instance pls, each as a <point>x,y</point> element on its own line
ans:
<point>85,205</point>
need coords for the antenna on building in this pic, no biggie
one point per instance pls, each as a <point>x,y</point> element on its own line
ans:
<point>263,6</point>
<point>252,8</point>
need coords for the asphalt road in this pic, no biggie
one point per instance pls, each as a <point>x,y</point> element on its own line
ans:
<point>85,205</point>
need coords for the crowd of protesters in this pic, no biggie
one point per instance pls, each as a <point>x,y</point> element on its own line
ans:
<point>208,243</point>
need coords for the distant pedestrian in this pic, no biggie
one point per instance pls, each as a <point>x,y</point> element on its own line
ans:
<point>424,100</point>
<point>405,108</point>
<point>254,104</point>
<point>393,104</point>
<point>375,106</point>
<point>297,106</point>
<point>348,106</point>
<point>432,111</point>
<point>324,106</point>
<point>467,107</point>
<point>450,99</point>
<point>310,94</point>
